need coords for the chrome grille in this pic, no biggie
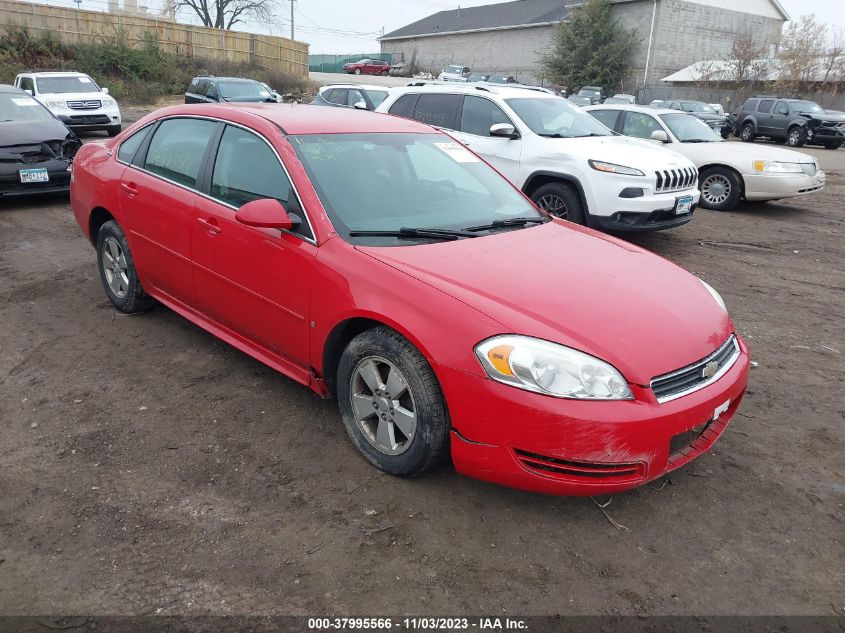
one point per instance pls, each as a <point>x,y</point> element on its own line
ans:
<point>90,104</point>
<point>675,179</point>
<point>698,375</point>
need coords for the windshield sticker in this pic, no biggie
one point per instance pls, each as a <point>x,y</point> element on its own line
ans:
<point>457,153</point>
<point>85,80</point>
<point>24,102</point>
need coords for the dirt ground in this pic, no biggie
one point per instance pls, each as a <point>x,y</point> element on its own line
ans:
<point>146,467</point>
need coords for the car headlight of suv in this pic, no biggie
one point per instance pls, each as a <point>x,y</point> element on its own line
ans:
<point>108,102</point>
<point>548,368</point>
<point>713,293</point>
<point>58,104</point>
<point>611,168</point>
<point>775,167</point>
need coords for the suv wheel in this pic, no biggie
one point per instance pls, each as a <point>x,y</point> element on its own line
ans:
<point>391,403</point>
<point>796,136</point>
<point>561,200</point>
<point>117,271</point>
<point>747,133</point>
<point>720,188</point>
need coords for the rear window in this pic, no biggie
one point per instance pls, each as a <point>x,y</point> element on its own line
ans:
<point>437,109</point>
<point>751,104</point>
<point>129,147</point>
<point>766,105</point>
<point>404,106</point>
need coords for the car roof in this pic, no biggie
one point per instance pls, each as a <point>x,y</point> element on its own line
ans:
<point>56,73</point>
<point>351,85</point>
<point>296,118</point>
<point>630,107</point>
<point>505,91</point>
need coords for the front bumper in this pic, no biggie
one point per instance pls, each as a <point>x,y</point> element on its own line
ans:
<point>777,186</point>
<point>57,170</point>
<point>89,120</point>
<point>568,447</point>
<point>653,212</point>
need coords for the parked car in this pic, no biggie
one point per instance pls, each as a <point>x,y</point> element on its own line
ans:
<point>350,96</point>
<point>594,93</point>
<point>656,103</point>
<point>728,172</point>
<point>36,148</point>
<point>717,108</point>
<point>371,232</point>
<point>501,79</point>
<point>579,100</point>
<point>367,67</point>
<point>703,111</point>
<point>207,89</point>
<point>454,73</point>
<point>790,121</point>
<point>273,94</point>
<point>75,99</point>
<point>566,162</point>
<point>621,98</point>
<point>476,77</point>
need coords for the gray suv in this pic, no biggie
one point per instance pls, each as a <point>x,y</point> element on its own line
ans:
<point>791,121</point>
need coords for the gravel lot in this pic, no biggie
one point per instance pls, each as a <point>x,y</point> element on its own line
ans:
<point>145,464</point>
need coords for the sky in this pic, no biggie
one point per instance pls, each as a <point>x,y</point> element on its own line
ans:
<point>352,26</point>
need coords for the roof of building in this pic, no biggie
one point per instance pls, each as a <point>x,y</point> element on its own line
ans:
<point>758,70</point>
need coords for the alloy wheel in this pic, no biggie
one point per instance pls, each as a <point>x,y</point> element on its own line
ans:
<point>554,204</point>
<point>794,137</point>
<point>746,132</point>
<point>115,268</point>
<point>383,406</point>
<point>715,189</point>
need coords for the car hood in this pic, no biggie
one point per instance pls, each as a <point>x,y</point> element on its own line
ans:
<point>828,118</point>
<point>708,116</point>
<point>620,150</point>
<point>758,151</point>
<point>32,132</point>
<point>570,285</point>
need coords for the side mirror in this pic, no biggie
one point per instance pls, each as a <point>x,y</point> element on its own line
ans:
<point>266,213</point>
<point>660,135</point>
<point>106,90</point>
<point>505,130</point>
<point>360,105</point>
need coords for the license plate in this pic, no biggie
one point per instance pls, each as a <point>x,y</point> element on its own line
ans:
<point>34,175</point>
<point>683,205</point>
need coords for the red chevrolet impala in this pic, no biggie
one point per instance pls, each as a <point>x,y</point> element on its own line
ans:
<point>374,259</point>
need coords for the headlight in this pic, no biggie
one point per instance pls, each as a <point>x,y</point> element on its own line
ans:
<point>778,168</point>
<point>610,168</point>
<point>714,294</point>
<point>58,104</point>
<point>108,101</point>
<point>536,365</point>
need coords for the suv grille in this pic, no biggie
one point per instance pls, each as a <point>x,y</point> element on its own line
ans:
<point>675,179</point>
<point>90,104</point>
<point>700,374</point>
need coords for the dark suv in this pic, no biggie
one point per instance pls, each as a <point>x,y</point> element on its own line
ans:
<point>704,111</point>
<point>791,121</point>
<point>205,89</point>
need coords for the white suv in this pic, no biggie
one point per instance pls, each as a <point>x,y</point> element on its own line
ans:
<point>567,162</point>
<point>75,99</point>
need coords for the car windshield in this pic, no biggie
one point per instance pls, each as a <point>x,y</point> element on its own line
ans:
<point>688,129</point>
<point>74,83</point>
<point>376,96</point>
<point>454,69</point>
<point>21,107</point>
<point>807,107</point>
<point>612,100</point>
<point>692,106</point>
<point>388,182</point>
<point>236,89</point>
<point>556,118</point>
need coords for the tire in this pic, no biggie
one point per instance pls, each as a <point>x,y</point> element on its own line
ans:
<point>114,130</point>
<point>796,136</point>
<point>561,200</point>
<point>120,283</point>
<point>721,188</point>
<point>385,73</point>
<point>747,133</point>
<point>357,71</point>
<point>424,443</point>
<point>835,145</point>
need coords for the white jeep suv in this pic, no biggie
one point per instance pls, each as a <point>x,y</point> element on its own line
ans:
<point>74,98</point>
<point>562,158</point>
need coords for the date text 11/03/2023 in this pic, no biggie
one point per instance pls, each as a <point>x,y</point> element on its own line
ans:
<point>418,624</point>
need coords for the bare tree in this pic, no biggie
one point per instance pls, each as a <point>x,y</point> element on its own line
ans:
<point>745,65</point>
<point>801,51</point>
<point>224,14</point>
<point>834,58</point>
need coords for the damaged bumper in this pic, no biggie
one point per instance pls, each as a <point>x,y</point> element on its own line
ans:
<point>37,168</point>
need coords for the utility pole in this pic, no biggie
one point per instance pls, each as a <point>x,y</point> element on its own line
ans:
<point>291,18</point>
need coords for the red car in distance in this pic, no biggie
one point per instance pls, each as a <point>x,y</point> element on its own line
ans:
<point>376,260</point>
<point>367,67</point>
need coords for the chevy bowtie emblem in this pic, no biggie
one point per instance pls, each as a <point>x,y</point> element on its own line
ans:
<point>710,369</point>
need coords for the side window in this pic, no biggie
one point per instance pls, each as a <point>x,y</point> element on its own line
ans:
<point>751,104</point>
<point>27,84</point>
<point>404,106</point>
<point>194,86</point>
<point>437,109</point>
<point>606,117</point>
<point>336,95</point>
<point>202,87</point>
<point>479,114</point>
<point>177,148</point>
<point>639,125</point>
<point>354,97</point>
<point>212,90</point>
<point>766,105</point>
<point>781,108</point>
<point>246,169</point>
<point>130,146</point>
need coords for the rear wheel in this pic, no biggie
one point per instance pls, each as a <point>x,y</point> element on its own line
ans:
<point>385,73</point>
<point>720,188</point>
<point>391,403</point>
<point>117,271</point>
<point>796,137</point>
<point>561,200</point>
<point>747,133</point>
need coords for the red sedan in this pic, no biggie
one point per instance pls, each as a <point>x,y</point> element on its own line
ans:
<point>376,260</point>
<point>367,67</point>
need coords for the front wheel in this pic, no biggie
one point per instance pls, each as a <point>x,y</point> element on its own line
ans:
<point>391,403</point>
<point>357,71</point>
<point>720,188</point>
<point>117,271</point>
<point>561,200</point>
<point>796,137</point>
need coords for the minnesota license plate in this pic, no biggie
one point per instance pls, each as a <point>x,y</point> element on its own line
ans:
<point>683,205</point>
<point>34,175</point>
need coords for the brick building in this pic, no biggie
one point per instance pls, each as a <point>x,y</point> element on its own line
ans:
<point>511,37</point>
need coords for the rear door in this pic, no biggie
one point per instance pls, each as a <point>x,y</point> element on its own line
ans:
<point>477,116</point>
<point>157,196</point>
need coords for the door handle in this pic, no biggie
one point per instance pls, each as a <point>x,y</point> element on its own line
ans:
<point>130,189</point>
<point>210,225</point>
